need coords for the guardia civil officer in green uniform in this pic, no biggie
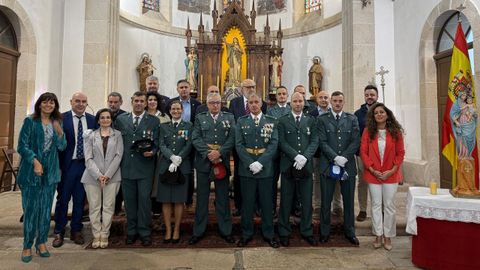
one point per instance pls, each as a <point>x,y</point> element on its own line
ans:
<point>298,135</point>
<point>278,110</point>
<point>339,141</point>
<point>213,138</point>
<point>138,167</point>
<point>256,140</point>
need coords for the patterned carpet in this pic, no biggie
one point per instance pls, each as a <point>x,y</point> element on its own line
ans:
<point>213,240</point>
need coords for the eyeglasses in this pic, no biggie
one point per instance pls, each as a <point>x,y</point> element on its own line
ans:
<point>214,102</point>
<point>249,86</point>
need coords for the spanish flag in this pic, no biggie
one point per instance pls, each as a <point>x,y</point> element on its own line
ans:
<point>459,132</point>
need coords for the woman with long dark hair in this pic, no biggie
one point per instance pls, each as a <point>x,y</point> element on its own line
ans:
<point>41,137</point>
<point>382,152</point>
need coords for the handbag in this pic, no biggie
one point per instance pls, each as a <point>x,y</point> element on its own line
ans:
<point>172,178</point>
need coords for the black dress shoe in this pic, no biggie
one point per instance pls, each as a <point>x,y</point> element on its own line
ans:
<point>146,241</point>
<point>272,242</point>
<point>58,241</point>
<point>175,241</point>
<point>324,238</point>
<point>243,242</point>
<point>353,240</point>
<point>310,240</point>
<point>228,238</point>
<point>130,239</point>
<point>285,241</point>
<point>194,239</point>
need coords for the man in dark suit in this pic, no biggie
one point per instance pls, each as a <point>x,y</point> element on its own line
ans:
<point>138,168</point>
<point>212,89</point>
<point>152,85</point>
<point>339,141</point>
<point>190,106</point>
<point>72,165</point>
<point>239,107</point>
<point>114,102</point>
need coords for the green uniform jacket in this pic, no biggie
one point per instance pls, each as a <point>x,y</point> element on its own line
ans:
<point>247,135</point>
<point>277,111</point>
<point>135,165</point>
<point>175,141</point>
<point>30,146</point>
<point>295,140</point>
<point>205,132</point>
<point>340,138</point>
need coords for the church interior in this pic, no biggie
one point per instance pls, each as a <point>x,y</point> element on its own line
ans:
<point>404,47</point>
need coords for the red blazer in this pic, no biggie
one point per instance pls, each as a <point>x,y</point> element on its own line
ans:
<point>394,154</point>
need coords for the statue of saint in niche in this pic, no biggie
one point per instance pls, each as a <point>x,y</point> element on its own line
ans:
<point>191,66</point>
<point>315,76</point>
<point>234,59</point>
<point>276,76</point>
<point>145,69</point>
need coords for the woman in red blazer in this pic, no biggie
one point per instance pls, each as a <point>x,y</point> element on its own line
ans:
<point>382,153</point>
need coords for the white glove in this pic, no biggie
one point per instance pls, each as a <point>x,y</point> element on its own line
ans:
<point>172,168</point>
<point>340,161</point>
<point>177,160</point>
<point>300,162</point>
<point>256,167</point>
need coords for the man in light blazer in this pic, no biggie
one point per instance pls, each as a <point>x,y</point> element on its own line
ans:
<point>72,165</point>
<point>138,168</point>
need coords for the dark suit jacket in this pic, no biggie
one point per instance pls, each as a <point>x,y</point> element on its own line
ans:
<point>237,107</point>
<point>204,108</point>
<point>194,104</point>
<point>66,155</point>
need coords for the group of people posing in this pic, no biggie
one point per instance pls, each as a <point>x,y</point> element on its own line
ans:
<point>149,156</point>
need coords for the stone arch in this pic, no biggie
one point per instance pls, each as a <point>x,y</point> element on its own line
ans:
<point>26,67</point>
<point>428,77</point>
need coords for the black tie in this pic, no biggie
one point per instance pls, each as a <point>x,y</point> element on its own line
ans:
<point>80,154</point>
<point>175,124</point>
<point>135,124</point>
<point>337,117</point>
<point>297,121</point>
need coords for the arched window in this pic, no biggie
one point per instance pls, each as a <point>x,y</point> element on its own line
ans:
<point>8,38</point>
<point>312,5</point>
<point>447,35</point>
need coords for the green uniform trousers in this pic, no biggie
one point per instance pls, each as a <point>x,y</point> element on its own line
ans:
<point>136,194</point>
<point>327,189</point>
<point>250,187</point>
<point>222,205</point>
<point>289,186</point>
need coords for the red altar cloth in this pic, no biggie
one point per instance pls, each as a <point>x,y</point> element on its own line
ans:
<point>446,245</point>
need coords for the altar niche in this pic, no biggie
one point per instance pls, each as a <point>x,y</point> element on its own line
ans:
<point>233,51</point>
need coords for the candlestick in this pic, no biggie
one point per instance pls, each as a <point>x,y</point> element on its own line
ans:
<point>263,87</point>
<point>201,88</point>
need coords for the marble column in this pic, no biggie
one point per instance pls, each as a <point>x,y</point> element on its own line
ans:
<point>100,50</point>
<point>358,50</point>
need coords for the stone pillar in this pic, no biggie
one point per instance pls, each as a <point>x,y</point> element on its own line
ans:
<point>100,50</point>
<point>358,28</point>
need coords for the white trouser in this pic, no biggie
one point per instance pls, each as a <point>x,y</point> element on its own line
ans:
<point>387,224</point>
<point>362,191</point>
<point>98,198</point>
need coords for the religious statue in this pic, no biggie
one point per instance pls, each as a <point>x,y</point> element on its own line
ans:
<point>315,76</point>
<point>464,115</point>
<point>145,69</point>
<point>276,76</point>
<point>191,66</point>
<point>234,59</point>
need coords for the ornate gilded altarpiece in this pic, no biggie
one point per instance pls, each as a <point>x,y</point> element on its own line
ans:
<point>234,51</point>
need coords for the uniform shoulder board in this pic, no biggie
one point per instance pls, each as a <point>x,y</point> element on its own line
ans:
<point>270,117</point>
<point>244,116</point>
<point>203,113</point>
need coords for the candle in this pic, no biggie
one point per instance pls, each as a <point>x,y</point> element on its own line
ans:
<point>263,87</point>
<point>433,188</point>
<point>218,81</point>
<point>253,78</point>
<point>201,88</point>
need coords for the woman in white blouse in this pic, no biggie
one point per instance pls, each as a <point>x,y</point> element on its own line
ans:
<point>382,152</point>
